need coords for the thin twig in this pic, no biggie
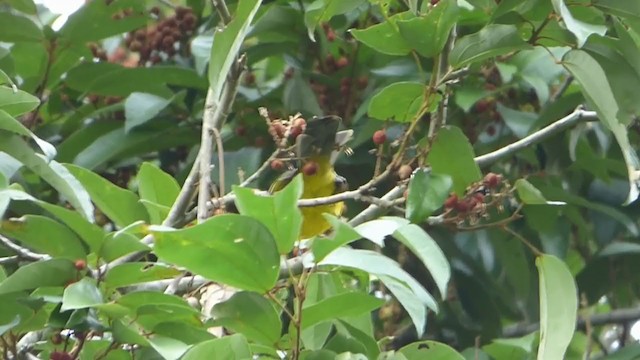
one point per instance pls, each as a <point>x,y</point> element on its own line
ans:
<point>220,151</point>
<point>265,165</point>
<point>22,251</point>
<point>223,10</point>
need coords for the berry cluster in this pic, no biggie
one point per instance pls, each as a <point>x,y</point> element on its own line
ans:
<point>478,199</point>
<point>165,39</point>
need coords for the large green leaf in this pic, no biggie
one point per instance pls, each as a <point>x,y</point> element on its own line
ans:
<point>251,315</point>
<point>622,8</point>
<point>97,20</point>
<point>235,250</point>
<point>52,172</point>
<point>7,122</point>
<point>451,154</point>
<point>341,234</point>
<point>385,37</point>
<point>89,232</point>
<point>323,10</point>
<point>138,272</point>
<point>437,23</point>
<point>226,45</point>
<point>15,28</point>
<point>120,205</point>
<point>558,307</point>
<point>140,108</point>
<point>339,306</point>
<point>492,40</point>
<point>158,187</point>
<point>597,91</point>
<point>279,212</point>
<point>227,348</point>
<point>16,103</point>
<point>427,193</point>
<point>579,28</point>
<point>428,251</point>
<point>429,349</point>
<point>399,101</point>
<point>54,272</point>
<point>44,235</point>
<point>80,295</point>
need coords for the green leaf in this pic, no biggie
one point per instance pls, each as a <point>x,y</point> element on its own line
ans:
<point>385,37</point>
<point>226,348</point>
<point>427,193</point>
<point>519,122</point>
<point>399,282</point>
<point>138,272</point>
<point>278,212</point>
<point>528,193</point>
<point>16,28</point>
<point>54,272</point>
<point>376,230</point>
<point>120,205</point>
<point>597,91</point>
<point>622,8</point>
<point>323,10</point>
<point>251,315</point>
<point>428,251</point>
<point>168,348</point>
<point>339,306</point>
<point>97,20</point>
<point>116,80</point>
<point>580,29</point>
<point>89,232</point>
<point>44,235</point>
<point>158,187</point>
<point>141,107</point>
<point>299,97</point>
<point>10,325</point>
<point>80,295</point>
<point>492,40</point>
<point>7,122</point>
<point>429,349</point>
<point>437,23</point>
<point>25,6</point>
<point>341,235</point>
<point>245,252</point>
<point>558,307</point>
<point>400,101</point>
<point>451,154</point>
<point>16,103</point>
<point>52,172</point>
<point>226,45</point>
<point>119,244</point>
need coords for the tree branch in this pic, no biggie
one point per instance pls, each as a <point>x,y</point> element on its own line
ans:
<point>22,252</point>
<point>614,317</point>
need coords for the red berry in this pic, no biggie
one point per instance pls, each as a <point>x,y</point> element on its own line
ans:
<point>482,106</point>
<point>300,122</point>
<point>60,355</point>
<point>492,180</point>
<point>249,79</point>
<point>80,264</point>
<point>434,2</point>
<point>277,164</point>
<point>379,137</point>
<point>464,206</point>
<point>56,339</point>
<point>241,130</point>
<point>310,168</point>
<point>479,197</point>
<point>331,35</point>
<point>451,201</point>
<point>342,62</point>
<point>491,130</point>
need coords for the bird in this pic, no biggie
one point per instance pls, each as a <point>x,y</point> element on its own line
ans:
<point>317,149</point>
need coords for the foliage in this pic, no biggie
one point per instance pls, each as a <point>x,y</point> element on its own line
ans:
<point>102,255</point>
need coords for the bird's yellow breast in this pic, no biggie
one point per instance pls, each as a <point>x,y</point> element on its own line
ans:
<point>321,184</point>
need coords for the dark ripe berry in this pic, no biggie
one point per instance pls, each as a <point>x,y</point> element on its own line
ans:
<point>241,130</point>
<point>310,168</point>
<point>93,98</point>
<point>489,86</point>
<point>80,264</point>
<point>170,51</point>
<point>189,21</point>
<point>491,130</point>
<point>379,137</point>
<point>249,78</point>
<point>404,172</point>
<point>140,35</point>
<point>346,81</point>
<point>295,132</point>
<point>56,339</point>
<point>342,62</point>
<point>259,141</point>
<point>451,201</point>
<point>344,90</point>
<point>331,35</point>
<point>300,123</point>
<point>492,180</point>
<point>59,355</point>
<point>181,12</point>
<point>479,197</point>
<point>363,81</point>
<point>155,11</point>
<point>170,24</point>
<point>110,100</point>
<point>463,206</point>
<point>435,2</point>
<point>330,60</point>
<point>168,41</point>
<point>155,59</point>
<point>277,164</point>
<point>481,106</point>
<point>135,45</point>
<point>277,129</point>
